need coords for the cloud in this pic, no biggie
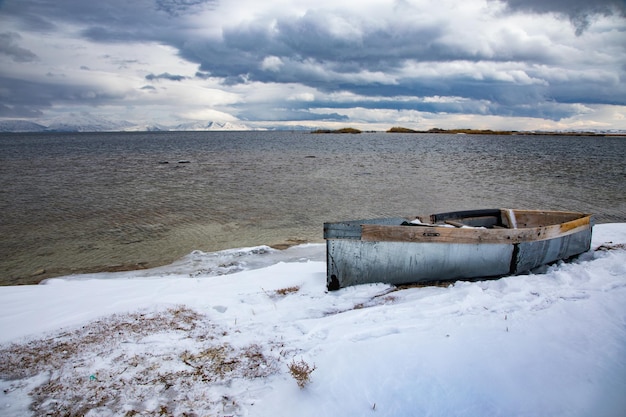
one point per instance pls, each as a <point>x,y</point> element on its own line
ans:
<point>569,7</point>
<point>580,12</point>
<point>392,54</point>
<point>203,75</point>
<point>271,63</point>
<point>9,47</point>
<point>19,112</point>
<point>165,76</point>
<point>181,7</point>
<point>279,61</point>
<point>208,114</point>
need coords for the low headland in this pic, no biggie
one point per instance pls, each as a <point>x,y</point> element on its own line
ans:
<point>399,129</point>
<point>499,132</point>
<point>350,130</point>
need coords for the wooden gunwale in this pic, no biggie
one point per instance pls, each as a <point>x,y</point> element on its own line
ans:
<point>438,234</point>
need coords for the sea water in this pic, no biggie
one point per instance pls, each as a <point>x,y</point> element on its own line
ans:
<point>88,202</point>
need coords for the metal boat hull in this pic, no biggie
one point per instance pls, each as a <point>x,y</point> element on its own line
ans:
<point>385,250</point>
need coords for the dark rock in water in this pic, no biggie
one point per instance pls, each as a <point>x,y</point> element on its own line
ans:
<point>310,156</point>
<point>184,162</point>
<point>164,162</point>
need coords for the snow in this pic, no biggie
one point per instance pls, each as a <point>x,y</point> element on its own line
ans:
<point>214,334</point>
<point>207,126</point>
<point>86,122</point>
<point>20,126</point>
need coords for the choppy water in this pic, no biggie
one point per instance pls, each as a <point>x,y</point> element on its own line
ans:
<point>103,201</point>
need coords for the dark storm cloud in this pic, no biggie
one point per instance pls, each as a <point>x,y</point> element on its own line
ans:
<point>496,101</point>
<point>580,12</point>
<point>35,96</point>
<point>111,20</point>
<point>345,50</point>
<point>178,7</point>
<point>309,52</point>
<point>23,99</point>
<point>165,76</point>
<point>379,47</point>
<point>19,112</point>
<point>313,55</point>
<point>283,114</point>
<point>9,46</point>
<point>569,7</point>
<point>308,38</point>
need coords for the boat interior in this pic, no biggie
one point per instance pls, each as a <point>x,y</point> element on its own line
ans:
<point>479,219</point>
<point>498,218</point>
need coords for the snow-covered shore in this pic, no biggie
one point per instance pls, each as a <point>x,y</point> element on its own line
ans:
<point>214,334</point>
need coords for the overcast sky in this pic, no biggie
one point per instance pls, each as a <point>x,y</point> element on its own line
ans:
<point>511,64</point>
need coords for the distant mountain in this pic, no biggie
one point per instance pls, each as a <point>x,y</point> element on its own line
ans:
<point>20,126</point>
<point>147,128</point>
<point>204,126</point>
<point>85,122</point>
<point>292,128</point>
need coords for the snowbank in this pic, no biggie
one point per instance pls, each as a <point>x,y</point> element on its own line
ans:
<point>214,334</point>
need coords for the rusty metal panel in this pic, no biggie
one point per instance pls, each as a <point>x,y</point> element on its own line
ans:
<point>353,262</point>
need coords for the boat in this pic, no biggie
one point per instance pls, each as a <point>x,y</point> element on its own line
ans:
<point>462,245</point>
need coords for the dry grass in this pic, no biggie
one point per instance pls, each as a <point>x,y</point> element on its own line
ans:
<point>611,246</point>
<point>132,365</point>
<point>281,292</point>
<point>288,290</point>
<point>425,284</point>
<point>301,372</point>
<point>20,360</point>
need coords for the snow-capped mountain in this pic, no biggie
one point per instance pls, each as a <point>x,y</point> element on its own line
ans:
<point>85,122</point>
<point>20,126</point>
<point>203,126</point>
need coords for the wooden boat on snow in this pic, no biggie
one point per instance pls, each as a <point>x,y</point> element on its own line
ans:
<point>451,246</point>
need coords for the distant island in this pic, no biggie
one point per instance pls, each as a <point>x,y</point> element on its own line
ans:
<point>497,132</point>
<point>343,130</point>
<point>399,129</point>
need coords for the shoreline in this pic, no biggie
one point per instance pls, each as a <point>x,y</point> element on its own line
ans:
<point>502,132</point>
<point>399,129</point>
<point>45,273</point>
<point>74,208</point>
<point>42,274</point>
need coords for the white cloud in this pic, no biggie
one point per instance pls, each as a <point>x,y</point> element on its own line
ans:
<point>272,63</point>
<point>208,114</point>
<point>471,60</point>
<point>310,97</point>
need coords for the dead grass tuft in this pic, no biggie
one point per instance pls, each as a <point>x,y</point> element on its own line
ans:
<point>301,372</point>
<point>134,359</point>
<point>611,246</point>
<point>286,291</point>
<point>27,359</point>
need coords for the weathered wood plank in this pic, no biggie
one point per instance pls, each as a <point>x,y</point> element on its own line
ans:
<point>352,229</point>
<point>372,232</point>
<point>455,223</point>
<point>535,218</point>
